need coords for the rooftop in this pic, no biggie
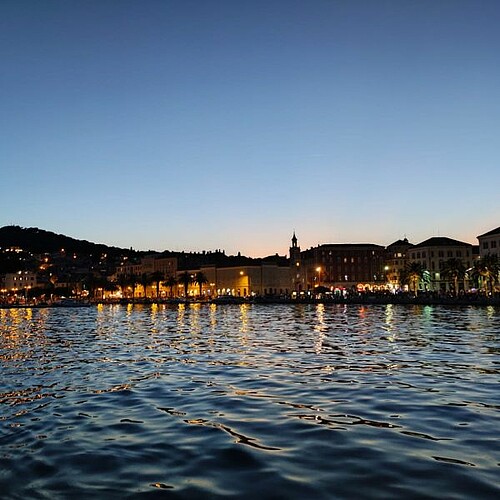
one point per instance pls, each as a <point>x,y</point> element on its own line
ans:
<point>441,241</point>
<point>400,243</point>
<point>490,233</point>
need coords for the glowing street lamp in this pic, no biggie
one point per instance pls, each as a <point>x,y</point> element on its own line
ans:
<point>318,270</point>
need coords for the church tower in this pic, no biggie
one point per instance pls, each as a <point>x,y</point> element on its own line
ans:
<point>296,266</point>
<point>294,251</point>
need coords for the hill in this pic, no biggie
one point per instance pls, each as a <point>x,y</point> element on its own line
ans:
<point>39,241</point>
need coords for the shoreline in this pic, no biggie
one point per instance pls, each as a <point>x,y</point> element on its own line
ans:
<point>369,300</point>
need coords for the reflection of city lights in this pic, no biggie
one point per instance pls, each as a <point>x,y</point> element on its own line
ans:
<point>244,321</point>
<point>320,328</point>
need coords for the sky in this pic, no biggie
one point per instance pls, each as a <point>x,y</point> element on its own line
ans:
<point>211,124</point>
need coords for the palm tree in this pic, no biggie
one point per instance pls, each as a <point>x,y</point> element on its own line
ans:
<point>90,282</point>
<point>488,269</point>
<point>415,273</point>
<point>170,282</point>
<point>200,279</point>
<point>96,283</point>
<point>157,277</point>
<point>145,280</point>
<point>122,281</point>
<point>109,286</point>
<point>453,269</point>
<point>185,279</point>
<point>133,280</point>
<point>104,285</point>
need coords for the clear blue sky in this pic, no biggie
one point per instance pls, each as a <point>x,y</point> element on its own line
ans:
<point>191,125</point>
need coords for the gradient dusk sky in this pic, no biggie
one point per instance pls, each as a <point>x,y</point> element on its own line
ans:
<point>192,125</point>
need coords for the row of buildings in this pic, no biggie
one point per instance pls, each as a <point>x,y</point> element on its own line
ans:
<point>364,267</point>
<point>328,268</point>
<point>333,268</point>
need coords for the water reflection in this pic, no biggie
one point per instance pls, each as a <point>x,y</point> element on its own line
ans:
<point>320,328</point>
<point>180,395</point>
<point>213,317</point>
<point>244,318</point>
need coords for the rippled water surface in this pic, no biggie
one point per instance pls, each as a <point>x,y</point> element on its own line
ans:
<point>282,401</point>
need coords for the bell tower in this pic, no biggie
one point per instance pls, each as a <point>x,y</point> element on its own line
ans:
<point>294,251</point>
<point>296,265</point>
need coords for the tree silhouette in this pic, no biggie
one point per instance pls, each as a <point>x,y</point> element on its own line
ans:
<point>414,273</point>
<point>453,269</point>
<point>487,268</point>
<point>108,285</point>
<point>170,282</point>
<point>122,281</point>
<point>145,280</point>
<point>185,279</point>
<point>90,282</point>
<point>133,280</point>
<point>200,279</point>
<point>157,277</point>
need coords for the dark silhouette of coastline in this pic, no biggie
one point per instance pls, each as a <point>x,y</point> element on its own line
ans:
<point>429,298</point>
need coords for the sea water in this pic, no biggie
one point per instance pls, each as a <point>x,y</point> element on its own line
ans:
<point>250,401</point>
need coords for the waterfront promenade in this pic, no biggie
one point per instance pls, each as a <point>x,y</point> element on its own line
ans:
<point>360,298</point>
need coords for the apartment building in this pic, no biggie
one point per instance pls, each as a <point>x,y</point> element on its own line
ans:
<point>432,255</point>
<point>489,243</point>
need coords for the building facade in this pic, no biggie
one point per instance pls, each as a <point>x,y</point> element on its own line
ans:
<point>489,256</point>
<point>489,243</point>
<point>432,255</point>
<point>240,281</point>
<point>20,281</point>
<point>397,263</point>
<point>341,266</point>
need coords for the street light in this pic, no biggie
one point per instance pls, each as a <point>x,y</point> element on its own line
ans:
<point>318,270</point>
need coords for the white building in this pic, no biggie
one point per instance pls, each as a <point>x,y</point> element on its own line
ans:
<point>489,243</point>
<point>22,280</point>
<point>432,254</point>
